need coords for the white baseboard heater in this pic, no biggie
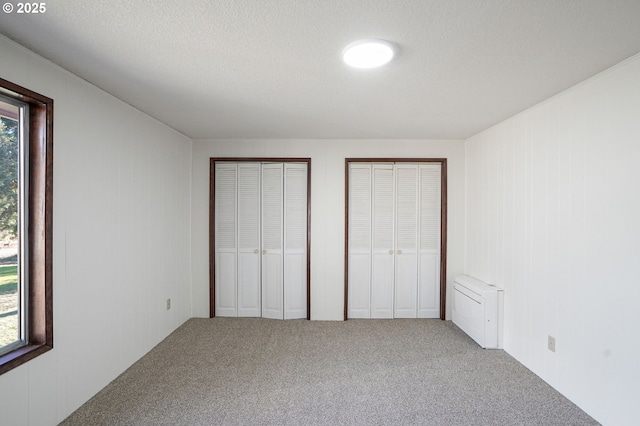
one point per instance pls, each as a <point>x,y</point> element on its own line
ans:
<point>478,309</point>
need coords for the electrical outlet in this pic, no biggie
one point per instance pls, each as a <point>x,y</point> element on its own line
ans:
<point>168,304</point>
<point>551,343</point>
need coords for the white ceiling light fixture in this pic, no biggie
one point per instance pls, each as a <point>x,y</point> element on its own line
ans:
<point>368,53</point>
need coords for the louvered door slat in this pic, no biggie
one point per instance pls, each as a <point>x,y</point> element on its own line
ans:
<point>249,205</point>
<point>360,207</point>
<point>225,212</point>
<point>383,199</point>
<point>430,207</point>
<point>407,207</point>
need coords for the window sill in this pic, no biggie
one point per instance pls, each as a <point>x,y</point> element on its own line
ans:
<point>21,355</point>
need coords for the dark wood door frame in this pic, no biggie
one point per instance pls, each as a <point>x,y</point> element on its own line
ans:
<point>212,194</point>
<point>443,223</point>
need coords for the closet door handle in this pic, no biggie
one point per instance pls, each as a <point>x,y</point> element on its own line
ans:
<point>399,251</point>
<point>264,251</point>
<point>256,251</point>
<point>390,251</point>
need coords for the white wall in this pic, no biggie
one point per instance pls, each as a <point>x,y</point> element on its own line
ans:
<point>121,242</point>
<point>552,216</point>
<point>327,206</point>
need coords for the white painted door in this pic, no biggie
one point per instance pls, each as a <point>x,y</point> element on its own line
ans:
<point>430,176</point>
<point>249,300</point>
<point>272,236</point>
<point>359,250</point>
<point>394,240</point>
<point>261,239</point>
<point>295,240</point>
<point>382,254</point>
<point>226,266</point>
<point>406,278</point>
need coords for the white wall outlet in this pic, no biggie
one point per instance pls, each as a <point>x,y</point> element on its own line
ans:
<point>551,343</point>
<point>168,304</point>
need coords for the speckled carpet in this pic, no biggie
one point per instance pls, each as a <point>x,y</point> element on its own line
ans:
<point>371,372</point>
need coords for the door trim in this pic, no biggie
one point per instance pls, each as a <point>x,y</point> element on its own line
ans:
<point>212,193</point>
<point>443,223</point>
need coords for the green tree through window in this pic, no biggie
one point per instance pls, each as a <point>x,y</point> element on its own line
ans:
<point>8,177</point>
<point>9,205</point>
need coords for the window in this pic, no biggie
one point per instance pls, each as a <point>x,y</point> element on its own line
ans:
<point>26,197</point>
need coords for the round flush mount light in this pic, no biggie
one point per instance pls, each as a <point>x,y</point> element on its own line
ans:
<point>368,53</point>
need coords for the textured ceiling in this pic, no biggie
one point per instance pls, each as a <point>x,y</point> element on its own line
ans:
<point>272,68</point>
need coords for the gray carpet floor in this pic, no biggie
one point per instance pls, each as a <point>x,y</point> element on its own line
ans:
<point>370,372</point>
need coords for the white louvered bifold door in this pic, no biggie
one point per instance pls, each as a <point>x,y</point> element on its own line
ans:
<point>295,240</point>
<point>225,239</point>
<point>406,262</point>
<point>429,236</point>
<point>382,256</point>
<point>249,301</point>
<point>272,240</point>
<point>359,250</point>
<point>394,240</point>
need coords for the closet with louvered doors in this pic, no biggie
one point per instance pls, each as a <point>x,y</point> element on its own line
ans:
<point>260,239</point>
<point>394,241</point>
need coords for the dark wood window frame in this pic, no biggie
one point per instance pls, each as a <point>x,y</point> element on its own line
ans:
<point>40,223</point>
<point>443,223</point>
<point>212,263</point>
